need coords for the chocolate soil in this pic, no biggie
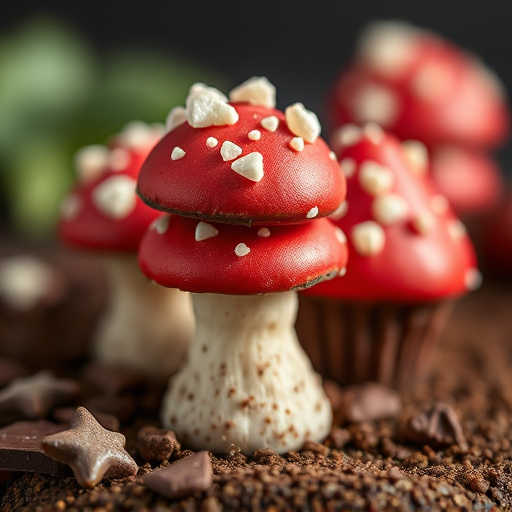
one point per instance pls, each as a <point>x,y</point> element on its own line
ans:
<point>407,462</point>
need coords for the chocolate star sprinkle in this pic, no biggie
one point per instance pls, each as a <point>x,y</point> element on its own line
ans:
<point>92,452</point>
<point>33,397</point>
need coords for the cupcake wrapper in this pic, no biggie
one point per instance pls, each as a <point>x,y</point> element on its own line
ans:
<point>352,343</point>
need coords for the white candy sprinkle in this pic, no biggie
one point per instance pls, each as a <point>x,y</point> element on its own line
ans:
<point>161,224</point>
<point>91,162</point>
<point>375,103</point>
<point>177,153</point>
<point>374,178</point>
<point>456,229</point>
<point>206,110</point>
<point>176,117</point>
<point>229,151</point>
<point>270,123</point>
<point>389,208</point>
<point>302,122</point>
<point>332,156</point>
<point>204,231</point>
<point>346,136</point>
<point>139,135</point>
<point>368,238</point>
<point>433,82</point>
<point>200,89</point>
<point>242,250</point>
<point>254,135</point>
<point>249,166</point>
<point>439,204</point>
<point>264,232</point>
<point>257,91</point>
<point>416,155</point>
<point>340,212</point>
<point>115,197</point>
<point>342,272</point>
<point>70,207</point>
<point>340,236</point>
<point>373,132</point>
<point>297,143</point>
<point>348,166</point>
<point>312,213</point>
<point>118,159</point>
<point>211,142</point>
<point>423,222</point>
<point>473,279</point>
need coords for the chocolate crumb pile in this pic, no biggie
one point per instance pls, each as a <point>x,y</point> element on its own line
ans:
<point>444,445</point>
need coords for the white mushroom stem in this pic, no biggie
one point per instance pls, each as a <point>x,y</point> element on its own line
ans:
<point>247,382</point>
<point>146,327</point>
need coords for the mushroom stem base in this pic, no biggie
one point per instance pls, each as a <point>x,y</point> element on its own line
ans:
<point>247,382</point>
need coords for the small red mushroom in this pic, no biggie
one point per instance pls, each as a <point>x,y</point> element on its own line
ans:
<point>103,213</point>
<point>409,254</point>
<point>248,183</point>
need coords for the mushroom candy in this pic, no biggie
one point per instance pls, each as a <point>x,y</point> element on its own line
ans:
<point>146,327</point>
<point>248,184</point>
<point>410,258</point>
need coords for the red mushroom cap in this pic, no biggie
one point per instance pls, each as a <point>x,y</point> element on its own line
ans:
<point>469,178</point>
<point>405,243</point>
<point>419,86</point>
<point>197,256</point>
<point>191,172</point>
<point>103,211</point>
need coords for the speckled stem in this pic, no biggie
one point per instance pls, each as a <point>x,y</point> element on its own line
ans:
<point>146,327</point>
<point>247,381</point>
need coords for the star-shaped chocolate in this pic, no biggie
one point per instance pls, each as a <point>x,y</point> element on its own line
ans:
<point>33,397</point>
<point>92,452</point>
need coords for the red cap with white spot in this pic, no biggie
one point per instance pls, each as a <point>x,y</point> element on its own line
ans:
<point>243,162</point>
<point>199,256</point>
<point>405,243</point>
<point>103,211</point>
<point>419,86</point>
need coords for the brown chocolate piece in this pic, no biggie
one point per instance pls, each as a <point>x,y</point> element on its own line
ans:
<point>92,452</point>
<point>438,426</point>
<point>157,444</point>
<point>33,397</point>
<point>65,415</point>
<point>370,402</point>
<point>113,380</point>
<point>184,477</point>
<point>21,447</point>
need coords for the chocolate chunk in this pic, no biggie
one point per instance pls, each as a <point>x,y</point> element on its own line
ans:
<point>113,380</point>
<point>157,444</point>
<point>65,415</point>
<point>184,477</point>
<point>438,426</point>
<point>92,452</point>
<point>369,402</point>
<point>21,447</point>
<point>33,397</point>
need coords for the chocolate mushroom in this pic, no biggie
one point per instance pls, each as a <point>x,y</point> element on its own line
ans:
<point>248,183</point>
<point>104,214</point>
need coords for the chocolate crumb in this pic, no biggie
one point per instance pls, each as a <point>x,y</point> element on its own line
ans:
<point>157,444</point>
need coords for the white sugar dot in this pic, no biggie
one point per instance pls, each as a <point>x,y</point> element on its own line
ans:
<point>264,232</point>
<point>270,123</point>
<point>297,143</point>
<point>373,132</point>
<point>302,122</point>
<point>332,155</point>
<point>161,224</point>
<point>423,222</point>
<point>118,159</point>
<point>346,136</point>
<point>254,135</point>
<point>456,229</point>
<point>312,213</point>
<point>70,207</point>
<point>211,142</point>
<point>433,82</point>
<point>205,110</point>
<point>376,103</point>
<point>439,204</point>
<point>368,238</point>
<point>177,153</point>
<point>249,166</point>
<point>340,212</point>
<point>473,279</point>
<point>91,162</point>
<point>229,150</point>
<point>340,236</point>
<point>176,117</point>
<point>242,250</point>
<point>204,231</point>
<point>416,155</point>
<point>348,166</point>
<point>138,135</point>
<point>375,178</point>
<point>115,197</point>
<point>342,272</point>
<point>257,91</point>
<point>389,208</point>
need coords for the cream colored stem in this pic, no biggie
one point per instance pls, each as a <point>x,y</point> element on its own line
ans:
<point>147,327</point>
<point>246,381</point>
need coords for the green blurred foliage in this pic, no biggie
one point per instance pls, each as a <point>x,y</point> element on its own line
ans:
<point>57,95</point>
